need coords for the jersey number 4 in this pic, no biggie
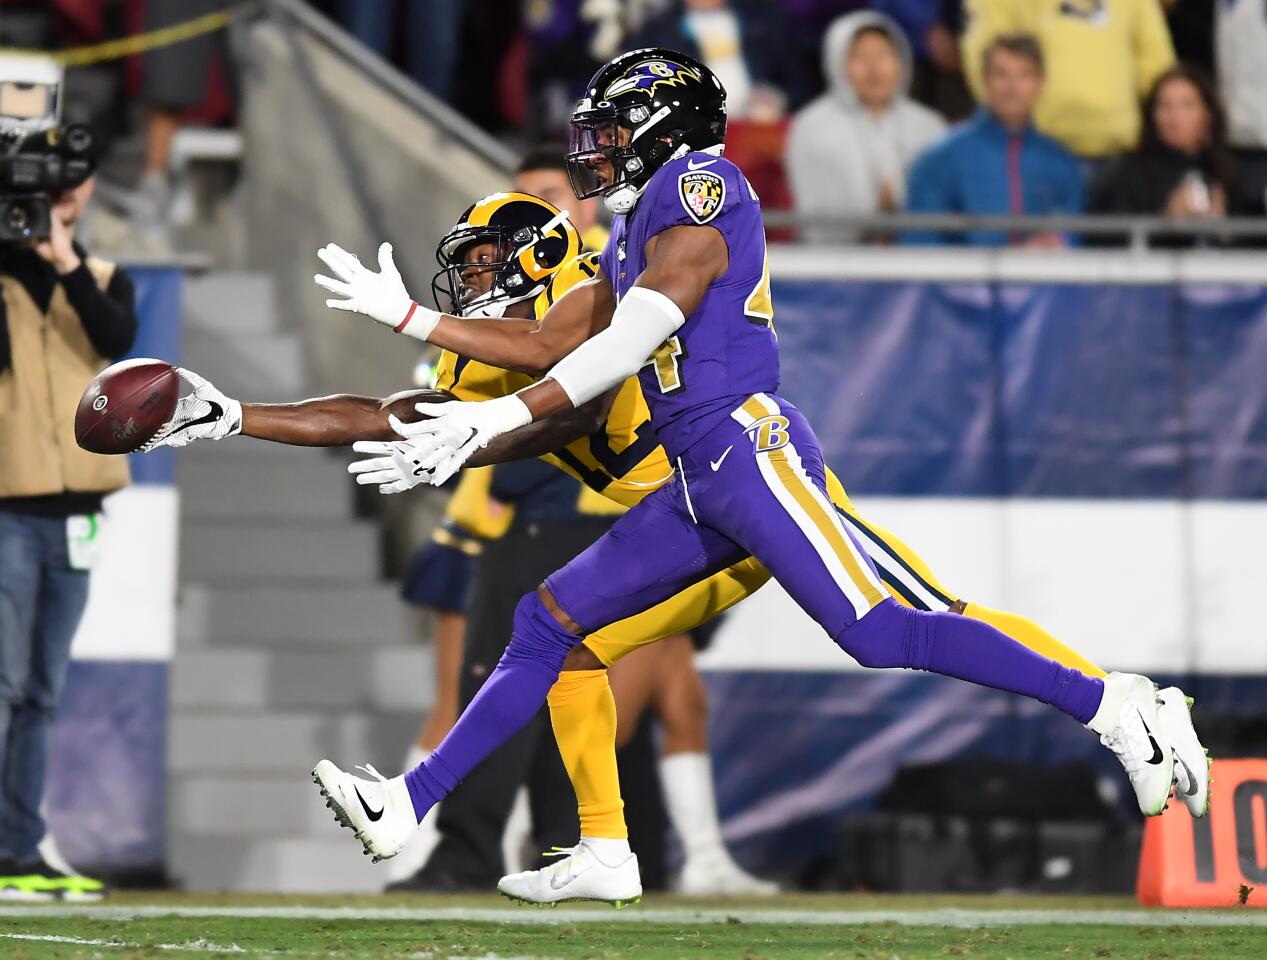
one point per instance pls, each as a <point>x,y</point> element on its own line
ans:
<point>667,363</point>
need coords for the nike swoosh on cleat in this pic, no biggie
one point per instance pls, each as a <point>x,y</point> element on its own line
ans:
<point>692,165</point>
<point>1157,757</point>
<point>716,464</point>
<point>1192,780</point>
<point>374,815</point>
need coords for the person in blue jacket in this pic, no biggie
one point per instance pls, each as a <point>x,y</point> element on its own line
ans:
<point>996,162</point>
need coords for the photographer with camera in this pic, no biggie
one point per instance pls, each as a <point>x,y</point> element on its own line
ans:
<point>63,316</point>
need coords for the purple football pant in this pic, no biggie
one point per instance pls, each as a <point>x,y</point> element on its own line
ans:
<point>755,486</point>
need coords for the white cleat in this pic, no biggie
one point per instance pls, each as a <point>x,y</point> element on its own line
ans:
<point>380,811</point>
<point>1128,723</point>
<point>1192,760</point>
<point>716,874</point>
<point>580,875</point>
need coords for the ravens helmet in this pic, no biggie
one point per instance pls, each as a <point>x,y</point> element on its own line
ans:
<point>641,110</point>
<point>503,249</point>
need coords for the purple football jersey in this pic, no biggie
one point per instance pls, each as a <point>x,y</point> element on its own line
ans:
<point>726,351</point>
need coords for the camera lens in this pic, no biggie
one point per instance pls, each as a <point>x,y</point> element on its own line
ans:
<point>78,139</point>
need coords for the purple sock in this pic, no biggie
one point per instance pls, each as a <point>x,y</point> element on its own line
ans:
<point>510,697</point>
<point>892,635</point>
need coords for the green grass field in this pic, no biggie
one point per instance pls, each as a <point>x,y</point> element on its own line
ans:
<point>430,928</point>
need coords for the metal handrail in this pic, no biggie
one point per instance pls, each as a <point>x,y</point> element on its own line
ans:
<point>1137,228</point>
<point>436,111</point>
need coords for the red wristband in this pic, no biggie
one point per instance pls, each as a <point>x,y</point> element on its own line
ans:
<point>413,305</point>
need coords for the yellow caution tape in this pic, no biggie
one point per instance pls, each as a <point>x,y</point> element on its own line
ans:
<point>137,43</point>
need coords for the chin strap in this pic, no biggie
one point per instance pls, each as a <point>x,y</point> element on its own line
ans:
<point>624,197</point>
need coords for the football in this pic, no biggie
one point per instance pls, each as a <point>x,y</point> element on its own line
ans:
<point>402,404</point>
<point>125,405</point>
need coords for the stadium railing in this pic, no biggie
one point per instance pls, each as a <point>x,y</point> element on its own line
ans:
<point>342,147</point>
<point>1136,230</point>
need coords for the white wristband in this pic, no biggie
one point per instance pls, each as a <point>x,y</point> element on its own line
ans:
<point>510,413</point>
<point>419,321</point>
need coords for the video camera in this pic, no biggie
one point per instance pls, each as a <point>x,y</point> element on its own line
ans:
<point>39,159</point>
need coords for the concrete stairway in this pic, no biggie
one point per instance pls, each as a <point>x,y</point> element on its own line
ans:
<point>289,647</point>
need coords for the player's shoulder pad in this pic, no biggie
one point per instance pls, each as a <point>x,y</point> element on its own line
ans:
<point>577,270</point>
<point>697,189</point>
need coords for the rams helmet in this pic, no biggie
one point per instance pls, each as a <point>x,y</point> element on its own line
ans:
<point>641,110</point>
<point>503,249</point>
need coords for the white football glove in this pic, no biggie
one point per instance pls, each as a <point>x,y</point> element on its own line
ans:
<point>393,466</point>
<point>381,296</point>
<point>457,430</point>
<point>205,414</point>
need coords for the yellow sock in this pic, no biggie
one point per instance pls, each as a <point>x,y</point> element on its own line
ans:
<point>583,715</point>
<point>1033,636</point>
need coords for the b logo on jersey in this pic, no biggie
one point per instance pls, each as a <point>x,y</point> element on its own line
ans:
<point>702,193</point>
<point>769,433</point>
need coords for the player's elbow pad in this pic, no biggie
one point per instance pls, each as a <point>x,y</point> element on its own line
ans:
<point>644,319</point>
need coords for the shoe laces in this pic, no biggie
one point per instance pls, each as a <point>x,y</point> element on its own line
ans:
<point>369,769</point>
<point>566,869</point>
<point>1129,740</point>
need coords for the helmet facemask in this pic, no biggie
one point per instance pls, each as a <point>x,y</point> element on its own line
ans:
<point>605,156</point>
<point>485,269</point>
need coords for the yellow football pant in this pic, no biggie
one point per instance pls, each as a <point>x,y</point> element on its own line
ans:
<point>582,711</point>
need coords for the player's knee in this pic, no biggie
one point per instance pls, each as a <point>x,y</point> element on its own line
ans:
<point>881,638</point>
<point>538,636</point>
<point>556,611</point>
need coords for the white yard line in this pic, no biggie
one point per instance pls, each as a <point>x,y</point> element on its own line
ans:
<point>740,914</point>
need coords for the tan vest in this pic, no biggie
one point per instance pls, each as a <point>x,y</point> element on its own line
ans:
<point>53,361</point>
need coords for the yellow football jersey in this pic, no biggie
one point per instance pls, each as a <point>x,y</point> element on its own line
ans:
<point>624,461</point>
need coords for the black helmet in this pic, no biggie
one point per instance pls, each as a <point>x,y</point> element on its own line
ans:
<point>665,100</point>
<point>533,240</point>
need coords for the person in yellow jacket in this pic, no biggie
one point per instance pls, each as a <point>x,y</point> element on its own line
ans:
<point>1102,57</point>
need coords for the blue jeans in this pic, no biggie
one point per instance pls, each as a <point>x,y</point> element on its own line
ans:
<point>41,602</point>
<point>430,27</point>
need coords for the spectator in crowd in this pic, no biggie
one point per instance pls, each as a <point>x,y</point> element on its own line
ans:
<point>742,41</point>
<point>175,82</point>
<point>1191,26</point>
<point>1241,44</point>
<point>1183,168</point>
<point>62,315</point>
<point>947,91</point>
<point>849,150</point>
<point>997,162</point>
<point>1102,57</point>
<point>430,29</point>
<point>543,173</point>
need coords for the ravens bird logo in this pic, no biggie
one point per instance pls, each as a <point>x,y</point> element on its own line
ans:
<point>649,75</point>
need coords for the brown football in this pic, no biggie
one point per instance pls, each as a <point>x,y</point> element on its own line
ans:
<point>126,405</point>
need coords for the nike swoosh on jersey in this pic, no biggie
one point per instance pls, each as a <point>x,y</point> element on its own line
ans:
<point>692,165</point>
<point>716,464</point>
<point>374,816</point>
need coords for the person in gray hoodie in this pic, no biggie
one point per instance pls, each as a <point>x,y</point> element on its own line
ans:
<point>849,150</point>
